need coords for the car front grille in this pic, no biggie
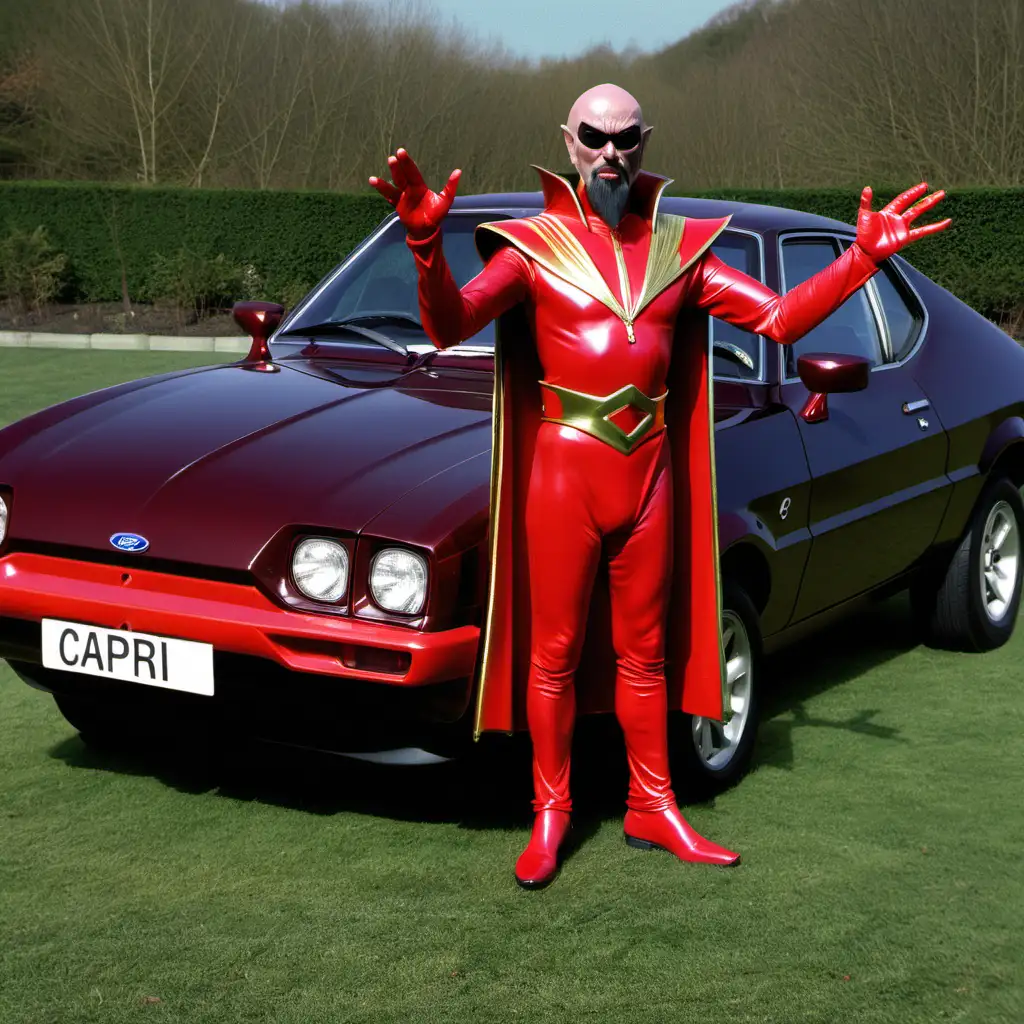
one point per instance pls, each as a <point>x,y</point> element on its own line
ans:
<point>141,561</point>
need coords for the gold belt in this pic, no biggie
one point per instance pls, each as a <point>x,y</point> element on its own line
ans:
<point>592,414</point>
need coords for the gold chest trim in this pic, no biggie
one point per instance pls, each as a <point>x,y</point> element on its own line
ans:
<point>565,256</point>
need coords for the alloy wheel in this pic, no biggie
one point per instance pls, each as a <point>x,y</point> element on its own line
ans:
<point>1000,560</point>
<point>716,743</point>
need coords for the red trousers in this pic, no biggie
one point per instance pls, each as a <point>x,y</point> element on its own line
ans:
<point>586,500</point>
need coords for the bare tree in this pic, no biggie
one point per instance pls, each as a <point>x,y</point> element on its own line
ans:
<point>316,94</point>
<point>116,71</point>
<point>214,86</point>
<point>929,87</point>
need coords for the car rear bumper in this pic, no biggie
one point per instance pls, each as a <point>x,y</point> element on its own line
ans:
<point>234,618</point>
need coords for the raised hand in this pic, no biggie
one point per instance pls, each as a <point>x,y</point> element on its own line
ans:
<point>419,209</point>
<point>888,230</point>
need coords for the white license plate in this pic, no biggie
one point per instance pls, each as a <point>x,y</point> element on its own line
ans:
<point>129,656</point>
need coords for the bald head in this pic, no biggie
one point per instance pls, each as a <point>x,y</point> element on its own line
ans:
<point>606,107</point>
<point>606,137</point>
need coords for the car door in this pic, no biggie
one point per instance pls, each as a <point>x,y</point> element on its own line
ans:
<point>760,462</point>
<point>878,461</point>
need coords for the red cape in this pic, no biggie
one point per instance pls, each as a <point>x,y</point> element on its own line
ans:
<point>695,664</point>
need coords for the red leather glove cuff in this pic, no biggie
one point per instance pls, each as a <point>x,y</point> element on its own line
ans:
<point>863,258</point>
<point>423,245</point>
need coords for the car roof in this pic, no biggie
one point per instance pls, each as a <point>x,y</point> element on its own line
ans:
<point>752,216</point>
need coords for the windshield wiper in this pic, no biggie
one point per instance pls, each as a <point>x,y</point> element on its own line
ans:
<point>394,315</point>
<point>342,325</point>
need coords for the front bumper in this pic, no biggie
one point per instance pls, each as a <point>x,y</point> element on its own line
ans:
<point>234,618</point>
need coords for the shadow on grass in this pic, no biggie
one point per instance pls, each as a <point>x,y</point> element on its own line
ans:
<point>492,787</point>
<point>879,634</point>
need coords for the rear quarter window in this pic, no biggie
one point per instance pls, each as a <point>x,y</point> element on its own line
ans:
<point>851,329</point>
<point>903,316</point>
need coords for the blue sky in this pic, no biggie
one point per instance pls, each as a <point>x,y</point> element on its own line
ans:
<point>542,28</point>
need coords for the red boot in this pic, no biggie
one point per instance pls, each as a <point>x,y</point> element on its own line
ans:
<point>551,715</point>
<point>538,863</point>
<point>669,830</point>
<point>653,820</point>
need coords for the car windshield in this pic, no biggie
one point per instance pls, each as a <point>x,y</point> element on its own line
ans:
<point>380,285</point>
<point>382,280</point>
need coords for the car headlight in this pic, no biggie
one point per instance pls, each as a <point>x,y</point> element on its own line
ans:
<point>320,569</point>
<point>3,519</point>
<point>398,580</point>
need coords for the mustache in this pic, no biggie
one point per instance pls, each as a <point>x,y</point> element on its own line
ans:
<point>617,168</point>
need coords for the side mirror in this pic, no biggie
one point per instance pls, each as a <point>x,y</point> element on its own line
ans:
<point>259,320</point>
<point>823,375</point>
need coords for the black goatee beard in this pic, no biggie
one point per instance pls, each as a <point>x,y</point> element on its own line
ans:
<point>608,198</point>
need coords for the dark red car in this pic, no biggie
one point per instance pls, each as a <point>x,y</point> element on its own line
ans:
<point>301,538</point>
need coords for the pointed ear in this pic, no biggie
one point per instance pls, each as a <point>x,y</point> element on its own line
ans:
<point>644,138</point>
<point>570,144</point>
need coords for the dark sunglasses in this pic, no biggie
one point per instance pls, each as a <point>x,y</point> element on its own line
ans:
<point>625,140</point>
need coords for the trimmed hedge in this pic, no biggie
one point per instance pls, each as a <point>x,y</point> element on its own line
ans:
<point>292,238</point>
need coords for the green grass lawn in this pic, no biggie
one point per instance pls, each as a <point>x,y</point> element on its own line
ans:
<point>880,830</point>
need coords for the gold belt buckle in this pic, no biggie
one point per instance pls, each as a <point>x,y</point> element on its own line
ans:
<point>592,414</point>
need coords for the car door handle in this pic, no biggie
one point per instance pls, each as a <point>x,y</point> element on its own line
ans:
<point>909,408</point>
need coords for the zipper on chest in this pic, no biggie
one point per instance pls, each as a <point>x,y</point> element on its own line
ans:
<point>627,299</point>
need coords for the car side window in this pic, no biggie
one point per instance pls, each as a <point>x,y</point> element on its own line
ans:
<point>850,330</point>
<point>736,353</point>
<point>903,316</point>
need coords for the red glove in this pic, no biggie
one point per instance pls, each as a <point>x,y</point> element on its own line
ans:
<point>882,233</point>
<point>419,209</point>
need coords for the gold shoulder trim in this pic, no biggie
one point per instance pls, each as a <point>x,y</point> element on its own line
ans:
<point>560,252</point>
<point>658,193</point>
<point>665,263</point>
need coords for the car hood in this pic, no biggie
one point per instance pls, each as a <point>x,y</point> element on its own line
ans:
<point>208,465</point>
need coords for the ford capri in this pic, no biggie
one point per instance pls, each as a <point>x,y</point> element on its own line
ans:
<point>299,539</point>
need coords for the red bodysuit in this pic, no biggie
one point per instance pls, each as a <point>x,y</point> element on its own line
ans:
<point>602,306</point>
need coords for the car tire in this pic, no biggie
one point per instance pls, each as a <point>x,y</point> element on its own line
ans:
<point>100,723</point>
<point>972,603</point>
<point>710,757</point>
<point>124,723</point>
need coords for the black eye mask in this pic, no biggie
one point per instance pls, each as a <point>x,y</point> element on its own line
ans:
<point>629,138</point>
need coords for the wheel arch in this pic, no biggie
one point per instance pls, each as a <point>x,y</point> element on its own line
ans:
<point>745,564</point>
<point>1003,454</point>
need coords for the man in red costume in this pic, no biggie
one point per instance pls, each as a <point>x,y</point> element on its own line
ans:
<point>604,447</point>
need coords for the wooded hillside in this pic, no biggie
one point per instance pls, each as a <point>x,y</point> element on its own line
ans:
<point>773,93</point>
